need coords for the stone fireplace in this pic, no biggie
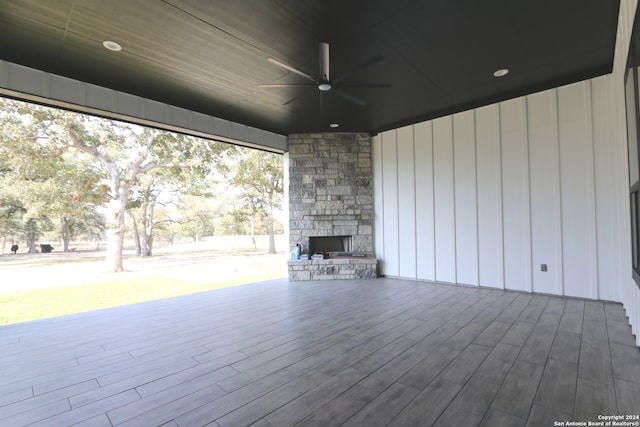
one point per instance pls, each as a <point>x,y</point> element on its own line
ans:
<point>331,205</point>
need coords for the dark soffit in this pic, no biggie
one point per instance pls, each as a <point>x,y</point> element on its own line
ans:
<point>212,56</point>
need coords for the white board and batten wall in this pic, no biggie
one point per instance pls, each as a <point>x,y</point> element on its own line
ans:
<point>487,196</point>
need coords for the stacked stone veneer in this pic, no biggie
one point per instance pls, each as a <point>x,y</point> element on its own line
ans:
<point>331,194</point>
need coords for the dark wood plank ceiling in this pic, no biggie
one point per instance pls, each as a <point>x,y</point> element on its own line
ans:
<point>212,56</point>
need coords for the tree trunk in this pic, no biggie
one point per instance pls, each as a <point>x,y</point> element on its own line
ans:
<point>115,233</point>
<point>148,228</point>
<point>136,234</point>
<point>253,230</point>
<point>66,234</point>
<point>272,237</point>
<point>31,236</point>
<point>115,239</point>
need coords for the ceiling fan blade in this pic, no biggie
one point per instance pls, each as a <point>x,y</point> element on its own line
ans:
<point>291,100</point>
<point>288,85</point>
<point>349,97</point>
<point>324,62</point>
<point>302,95</point>
<point>366,64</point>
<point>292,69</point>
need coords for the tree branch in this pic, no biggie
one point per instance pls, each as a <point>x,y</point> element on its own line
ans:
<point>111,166</point>
<point>150,166</point>
<point>60,149</point>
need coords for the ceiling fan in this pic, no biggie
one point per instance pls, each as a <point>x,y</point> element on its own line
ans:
<point>324,82</point>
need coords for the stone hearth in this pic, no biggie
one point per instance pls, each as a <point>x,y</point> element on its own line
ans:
<point>331,194</point>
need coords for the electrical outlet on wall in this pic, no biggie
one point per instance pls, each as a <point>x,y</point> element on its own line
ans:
<point>543,267</point>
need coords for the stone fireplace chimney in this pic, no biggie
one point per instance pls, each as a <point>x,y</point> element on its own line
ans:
<point>331,195</point>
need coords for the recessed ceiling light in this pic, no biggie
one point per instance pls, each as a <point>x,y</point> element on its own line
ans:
<point>334,125</point>
<point>111,45</point>
<point>501,72</point>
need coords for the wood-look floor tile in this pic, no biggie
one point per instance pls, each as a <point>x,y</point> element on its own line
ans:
<point>518,390</point>
<point>496,418</point>
<point>498,363</point>
<point>382,409</point>
<point>465,364</point>
<point>593,399</point>
<point>557,388</point>
<point>470,405</point>
<point>360,352</point>
<point>425,409</point>
<point>627,396</point>
<point>302,406</point>
<point>566,346</point>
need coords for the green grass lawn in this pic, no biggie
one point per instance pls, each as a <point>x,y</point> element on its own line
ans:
<point>44,303</point>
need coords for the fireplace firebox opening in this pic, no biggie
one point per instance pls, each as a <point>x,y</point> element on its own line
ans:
<point>330,245</point>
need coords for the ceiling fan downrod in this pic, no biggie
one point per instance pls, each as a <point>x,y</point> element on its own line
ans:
<point>325,80</point>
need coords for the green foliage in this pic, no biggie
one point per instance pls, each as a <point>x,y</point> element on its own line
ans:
<point>61,171</point>
<point>260,175</point>
<point>44,181</point>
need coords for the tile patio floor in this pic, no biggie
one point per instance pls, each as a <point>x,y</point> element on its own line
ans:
<point>355,353</point>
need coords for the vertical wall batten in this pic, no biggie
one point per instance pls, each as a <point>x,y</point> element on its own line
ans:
<point>515,187</point>
<point>444,203</point>
<point>575,176</point>
<point>378,200</point>
<point>489,197</point>
<point>406,203</point>
<point>466,217</point>
<point>591,192</point>
<point>546,244</point>
<point>423,166</point>
<point>390,208</point>
<point>604,194</point>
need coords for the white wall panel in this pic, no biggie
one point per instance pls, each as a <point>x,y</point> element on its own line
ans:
<point>607,231</point>
<point>390,208</point>
<point>546,232</point>
<point>466,210</point>
<point>406,203</point>
<point>489,197</point>
<point>577,188</point>
<point>378,200</point>
<point>444,200</point>
<point>500,190</point>
<point>515,195</point>
<point>425,233</point>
